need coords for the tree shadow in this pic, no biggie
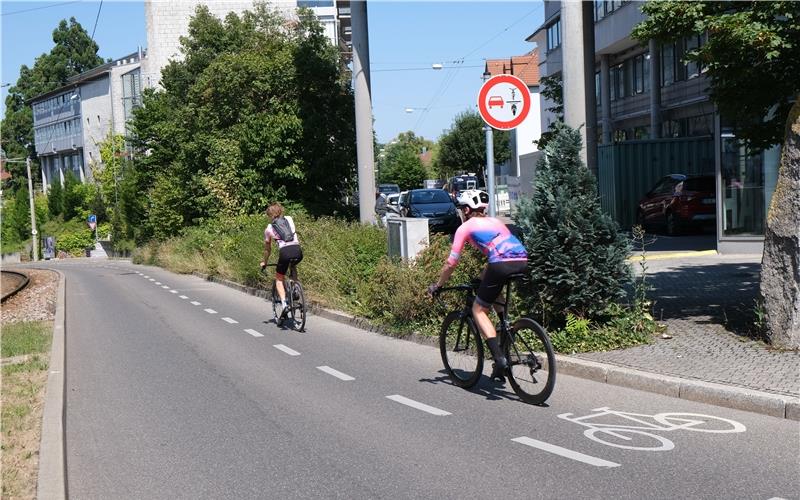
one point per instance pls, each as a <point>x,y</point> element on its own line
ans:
<point>723,294</point>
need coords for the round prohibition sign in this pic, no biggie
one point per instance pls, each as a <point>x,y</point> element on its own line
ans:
<point>504,102</point>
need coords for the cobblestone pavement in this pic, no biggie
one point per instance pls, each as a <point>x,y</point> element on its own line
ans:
<point>707,304</point>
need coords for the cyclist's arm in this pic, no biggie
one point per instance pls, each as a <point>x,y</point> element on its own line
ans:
<point>459,239</point>
<point>267,248</point>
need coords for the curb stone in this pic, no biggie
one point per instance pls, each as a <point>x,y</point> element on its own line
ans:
<point>738,398</point>
<point>51,483</point>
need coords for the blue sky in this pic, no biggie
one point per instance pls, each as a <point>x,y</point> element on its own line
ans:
<point>406,38</point>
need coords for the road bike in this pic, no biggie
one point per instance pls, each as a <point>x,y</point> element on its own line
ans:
<point>295,312</point>
<point>629,426</point>
<point>531,360</point>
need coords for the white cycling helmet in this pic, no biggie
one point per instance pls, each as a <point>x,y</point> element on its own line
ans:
<point>473,198</point>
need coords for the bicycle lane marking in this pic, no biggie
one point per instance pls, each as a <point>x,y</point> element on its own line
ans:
<point>417,405</point>
<point>564,452</point>
<point>335,373</point>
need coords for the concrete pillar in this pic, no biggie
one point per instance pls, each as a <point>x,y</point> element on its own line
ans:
<point>655,89</point>
<point>589,85</point>
<point>605,97</point>
<point>363,103</point>
<point>574,73</point>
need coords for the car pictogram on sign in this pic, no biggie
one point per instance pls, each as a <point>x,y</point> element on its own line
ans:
<point>496,100</point>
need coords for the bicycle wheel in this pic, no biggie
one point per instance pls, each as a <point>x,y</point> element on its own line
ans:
<point>297,305</point>
<point>531,361</point>
<point>462,349</point>
<point>276,299</point>
<point>697,422</point>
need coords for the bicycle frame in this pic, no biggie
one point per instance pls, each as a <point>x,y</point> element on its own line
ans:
<point>627,416</point>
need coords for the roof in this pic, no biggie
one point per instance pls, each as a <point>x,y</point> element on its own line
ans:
<point>525,67</point>
<point>73,81</point>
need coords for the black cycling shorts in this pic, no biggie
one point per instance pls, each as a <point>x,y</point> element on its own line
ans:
<point>495,278</point>
<point>285,256</point>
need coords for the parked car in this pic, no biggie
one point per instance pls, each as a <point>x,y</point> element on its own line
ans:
<point>679,201</point>
<point>460,183</point>
<point>388,189</point>
<point>402,202</point>
<point>392,205</point>
<point>435,205</point>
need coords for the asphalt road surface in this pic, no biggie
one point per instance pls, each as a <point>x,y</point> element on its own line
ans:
<point>181,388</point>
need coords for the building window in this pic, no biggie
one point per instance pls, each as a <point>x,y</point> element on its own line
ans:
<point>597,87</point>
<point>620,135</point>
<point>131,92</point>
<point>667,65</point>
<point>314,3</point>
<point>640,133</point>
<point>554,35</point>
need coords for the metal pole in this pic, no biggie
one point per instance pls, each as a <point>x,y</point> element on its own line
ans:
<point>363,102</point>
<point>35,242</point>
<point>490,168</point>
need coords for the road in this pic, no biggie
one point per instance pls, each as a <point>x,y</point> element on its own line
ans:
<point>181,388</point>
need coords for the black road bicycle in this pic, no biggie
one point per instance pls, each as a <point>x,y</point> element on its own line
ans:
<point>294,316</point>
<point>531,361</point>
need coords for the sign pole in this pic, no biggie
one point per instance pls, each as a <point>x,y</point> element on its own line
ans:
<point>490,169</point>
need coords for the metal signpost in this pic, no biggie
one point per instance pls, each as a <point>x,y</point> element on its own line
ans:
<point>503,102</point>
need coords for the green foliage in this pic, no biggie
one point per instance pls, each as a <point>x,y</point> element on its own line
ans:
<point>577,256</point>
<point>74,52</point>
<point>76,242</point>
<point>553,91</point>
<point>73,196</point>
<point>55,198</point>
<point>463,147</point>
<point>25,337</point>
<point>760,36</point>
<point>400,162</point>
<point>258,109</point>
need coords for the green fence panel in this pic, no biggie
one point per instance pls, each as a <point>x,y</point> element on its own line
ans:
<point>627,171</point>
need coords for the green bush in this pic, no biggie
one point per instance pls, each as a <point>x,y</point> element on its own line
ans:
<point>577,256</point>
<point>75,243</point>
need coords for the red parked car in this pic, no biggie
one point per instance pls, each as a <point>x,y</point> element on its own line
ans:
<point>678,201</point>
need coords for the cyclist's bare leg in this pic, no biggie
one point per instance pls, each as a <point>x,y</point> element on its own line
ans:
<point>279,286</point>
<point>481,316</point>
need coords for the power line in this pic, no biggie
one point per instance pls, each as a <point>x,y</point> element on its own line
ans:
<point>97,18</point>
<point>37,8</point>
<point>418,69</point>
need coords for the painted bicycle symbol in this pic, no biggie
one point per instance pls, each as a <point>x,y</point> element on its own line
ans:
<point>636,426</point>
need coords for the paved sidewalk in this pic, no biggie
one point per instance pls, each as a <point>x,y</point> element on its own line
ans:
<point>707,304</point>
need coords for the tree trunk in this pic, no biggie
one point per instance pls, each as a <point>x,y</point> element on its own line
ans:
<point>780,265</point>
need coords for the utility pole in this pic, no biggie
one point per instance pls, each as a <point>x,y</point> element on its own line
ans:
<point>490,160</point>
<point>34,232</point>
<point>363,102</point>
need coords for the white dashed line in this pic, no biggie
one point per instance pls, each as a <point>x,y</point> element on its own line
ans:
<point>229,320</point>
<point>419,406</point>
<point>158,282</point>
<point>184,297</point>
<point>151,279</point>
<point>287,350</point>
<point>564,452</point>
<point>210,311</point>
<point>195,303</point>
<point>173,291</point>
<point>335,373</point>
<point>164,287</point>
<point>253,332</point>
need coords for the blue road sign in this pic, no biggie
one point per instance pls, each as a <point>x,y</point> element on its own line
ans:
<point>92,218</point>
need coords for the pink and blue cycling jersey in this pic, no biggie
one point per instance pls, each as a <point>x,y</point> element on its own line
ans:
<point>490,236</point>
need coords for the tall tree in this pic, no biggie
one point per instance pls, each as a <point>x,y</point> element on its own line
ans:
<point>73,53</point>
<point>258,109</point>
<point>400,161</point>
<point>752,58</point>
<point>463,147</point>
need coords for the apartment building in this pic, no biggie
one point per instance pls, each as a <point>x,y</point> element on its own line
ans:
<point>168,21</point>
<point>654,117</point>
<point>71,121</point>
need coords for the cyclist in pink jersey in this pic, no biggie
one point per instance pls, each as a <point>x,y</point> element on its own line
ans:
<point>506,256</point>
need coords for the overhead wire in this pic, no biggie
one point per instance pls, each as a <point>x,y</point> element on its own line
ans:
<point>38,8</point>
<point>445,85</point>
<point>97,19</point>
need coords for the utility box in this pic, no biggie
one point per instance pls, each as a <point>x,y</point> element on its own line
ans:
<point>407,237</point>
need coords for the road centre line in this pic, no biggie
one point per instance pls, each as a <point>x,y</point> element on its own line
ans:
<point>184,297</point>
<point>173,291</point>
<point>229,320</point>
<point>164,287</point>
<point>419,406</point>
<point>564,452</point>
<point>253,332</point>
<point>158,282</point>
<point>335,373</point>
<point>210,311</point>
<point>195,303</point>
<point>287,350</point>
<point>151,279</point>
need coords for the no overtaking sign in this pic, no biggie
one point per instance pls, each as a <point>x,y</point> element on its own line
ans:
<point>504,102</point>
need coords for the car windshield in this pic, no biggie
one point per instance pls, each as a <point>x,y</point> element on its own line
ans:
<point>388,189</point>
<point>699,184</point>
<point>430,196</point>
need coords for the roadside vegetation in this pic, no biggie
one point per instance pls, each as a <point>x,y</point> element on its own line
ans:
<point>23,388</point>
